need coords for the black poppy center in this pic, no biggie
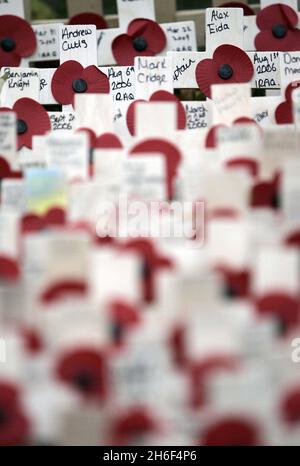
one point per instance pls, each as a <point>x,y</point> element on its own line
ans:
<point>225,71</point>
<point>84,381</point>
<point>140,44</point>
<point>79,85</point>
<point>21,127</point>
<point>8,44</point>
<point>279,31</point>
<point>3,417</point>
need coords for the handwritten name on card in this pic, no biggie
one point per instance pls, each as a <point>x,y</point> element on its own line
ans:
<point>224,26</point>
<point>69,153</point>
<point>181,36</point>
<point>62,121</point>
<point>184,68</point>
<point>78,43</point>
<point>8,136</point>
<point>129,10</point>
<point>266,70</point>
<point>12,7</point>
<point>198,114</point>
<point>152,74</point>
<point>47,42</point>
<point>21,82</point>
<point>122,82</point>
<point>289,68</point>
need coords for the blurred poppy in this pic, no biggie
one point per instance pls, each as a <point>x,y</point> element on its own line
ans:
<point>89,18</point>
<point>14,424</point>
<point>230,431</point>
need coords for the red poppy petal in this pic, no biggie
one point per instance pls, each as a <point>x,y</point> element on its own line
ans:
<point>284,113</point>
<point>150,31</point>
<point>61,85</point>
<point>98,82</point>
<point>130,116</point>
<point>168,150</point>
<point>31,223</point>
<point>123,50</point>
<point>36,118</point>
<point>250,165</point>
<point>63,288</point>
<point>207,70</point>
<point>21,32</point>
<point>91,136</point>
<point>265,41</point>
<point>293,239</point>
<point>211,137</point>
<point>165,96</point>
<point>4,168</point>
<point>276,14</point>
<point>290,88</point>
<point>108,141</point>
<point>9,59</point>
<point>9,269</point>
<point>290,406</point>
<point>280,305</point>
<point>247,10</point>
<point>89,18</point>
<point>55,216</point>
<point>230,431</point>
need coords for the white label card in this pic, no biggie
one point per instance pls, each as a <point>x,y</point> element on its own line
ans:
<point>105,39</point>
<point>224,26</point>
<point>230,101</point>
<point>289,68</point>
<point>198,114</point>
<point>155,119</point>
<point>9,234</point>
<point>184,68</point>
<point>62,121</point>
<point>181,36</point>
<point>46,96</point>
<point>47,42</point>
<point>145,177</point>
<point>13,195</point>
<point>70,153</point>
<point>239,140</point>
<point>21,82</point>
<point>129,10</point>
<point>266,70</point>
<point>12,7</point>
<point>291,3</point>
<point>78,43</point>
<point>87,108</point>
<point>263,110</point>
<point>8,136</point>
<point>122,82</point>
<point>152,74</point>
<point>291,191</point>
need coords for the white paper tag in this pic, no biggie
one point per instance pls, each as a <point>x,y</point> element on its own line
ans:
<point>47,42</point>
<point>181,36</point>
<point>145,177</point>
<point>239,141</point>
<point>291,190</point>
<point>122,82</point>
<point>155,119</point>
<point>250,32</point>
<point>184,68</point>
<point>129,10</point>
<point>105,38</point>
<point>224,26</point>
<point>266,70</point>
<point>22,82</point>
<point>94,111</point>
<point>63,121</point>
<point>289,68</point>
<point>296,106</point>
<point>291,3</point>
<point>12,7</point>
<point>8,136</point>
<point>230,101</point>
<point>13,195</point>
<point>263,110</point>
<point>78,43</point>
<point>198,114</point>
<point>70,153</point>
<point>46,96</point>
<point>9,223</point>
<point>152,74</point>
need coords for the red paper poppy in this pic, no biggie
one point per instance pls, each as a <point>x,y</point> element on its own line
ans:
<point>152,261</point>
<point>89,18</point>
<point>159,96</point>
<point>62,289</point>
<point>134,423</point>
<point>231,431</point>
<point>236,283</point>
<point>33,222</point>
<point>84,369</point>
<point>284,308</point>
<point>199,372</point>
<point>32,120</point>
<point>293,239</point>
<point>290,406</point>
<point>247,10</point>
<point>178,346</point>
<point>17,40</point>
<point>278,29</point>
<point>71,78</point>
<point>144,38</point>
<point>6,171</point>
<point>166,149</point>
<point>14,424</point>
<point>229,65</point>
<point>104,141</point>
<point>32,340</point>
<point>123,315</point>
<point>9,269</point>
<point>266,193</point>
<point>284,111</point>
